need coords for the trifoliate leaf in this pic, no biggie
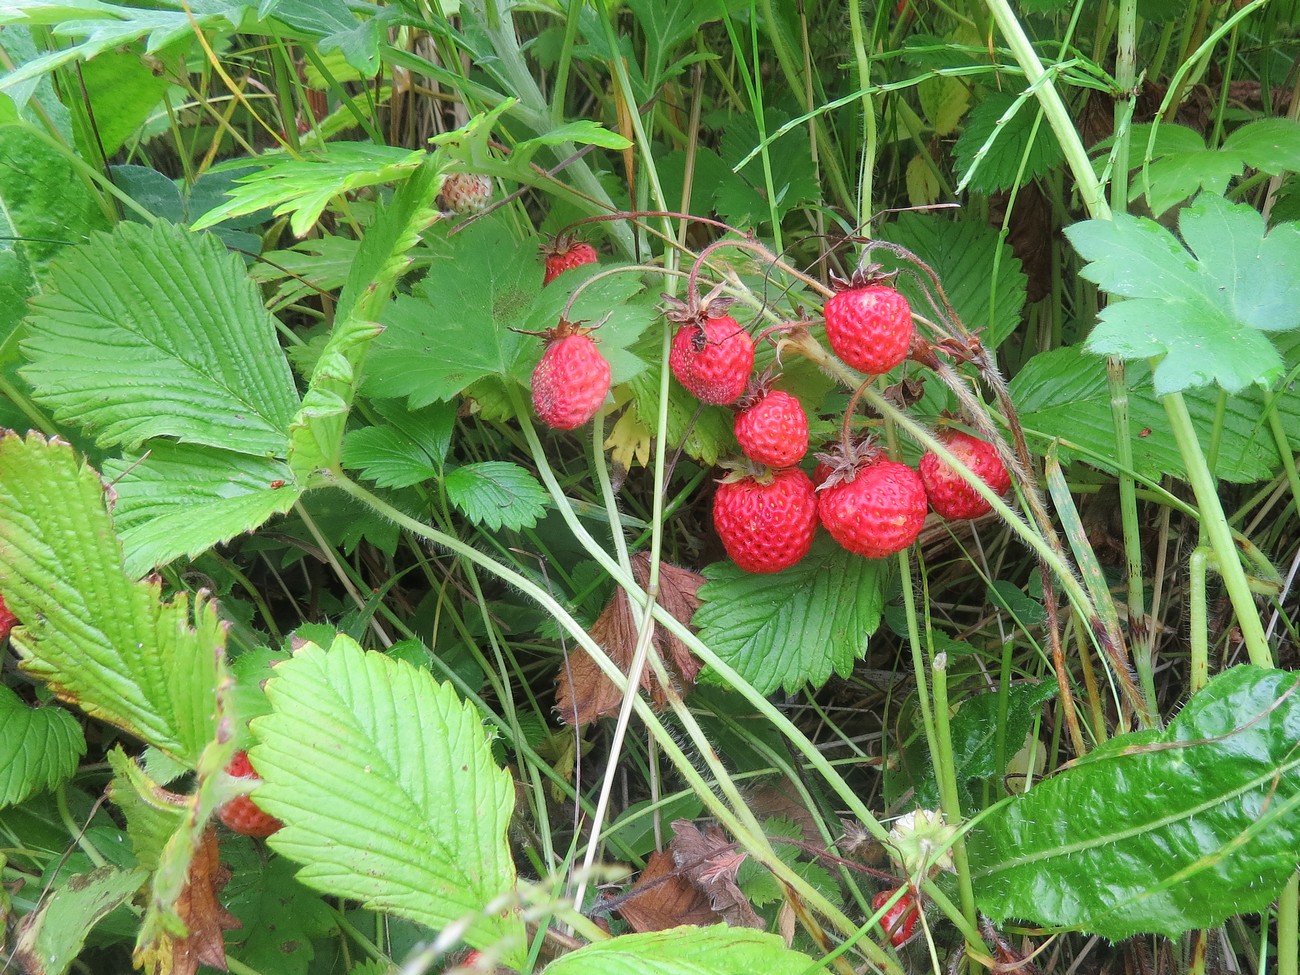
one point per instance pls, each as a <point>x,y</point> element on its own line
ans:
<point>39,748</point>
<point>1157,832</point>
<point>100,640</point>
<point>990,149</point>
<point>407,449</point>
<point>794,627</point>
<point>1204,313</point>
<point>497,494</point>
<point>156,332</point>
<point>385,783</point>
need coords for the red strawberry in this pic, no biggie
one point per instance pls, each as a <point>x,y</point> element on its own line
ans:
<point>952,497</point>
<point>900,920</point>
<point>869,327</point>
<point>875,509</point>
<point>466,192</point>
<point>766,527</point>
<point>565,253</point>
<point>571,380</point>
<point>713,358</point>
<point>773,429</point>
<point>242,814</point>
<point>7,619</point>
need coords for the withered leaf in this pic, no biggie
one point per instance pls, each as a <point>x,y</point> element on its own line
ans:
<point>661,898</point>
<point>585,693</point>
<point>204,918</point>
<point>710,861</point>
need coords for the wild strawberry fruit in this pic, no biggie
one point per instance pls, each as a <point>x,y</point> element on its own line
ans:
<point>466,192</point>
<point>7,619</point>
<point>950,496</point>
<point>869,325</point>
<point>242,814</point>
<point>572,378</point>
<point>874,506</point>
<point>900,920</point>
<point>772,429</point>
<point>766,525</point>
<point>564,253</point>
<point>713,358</point>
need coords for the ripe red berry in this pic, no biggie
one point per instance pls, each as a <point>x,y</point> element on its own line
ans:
<point>7,619</point>
<point>242,814</point>
<point>466,192</point>
<point>564,254</point>
<point>874,510</point>
<point>870,327</point>
<point>766,527</point>
<point>773,430</point>
<point>571,380</point>
<point>713,358</point>
<point>952,497</point>
<point>900,920</point>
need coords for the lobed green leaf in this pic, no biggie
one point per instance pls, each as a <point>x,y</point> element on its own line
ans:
<point>39,748</point>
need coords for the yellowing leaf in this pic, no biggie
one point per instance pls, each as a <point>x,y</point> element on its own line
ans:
<point>922,183</point>
<point>944,101</point>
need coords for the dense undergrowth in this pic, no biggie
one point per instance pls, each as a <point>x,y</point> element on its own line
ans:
<point>275,483</point>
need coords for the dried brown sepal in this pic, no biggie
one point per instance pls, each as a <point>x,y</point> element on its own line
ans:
<point>710,861</point>
<point>662,898</point>
<point>906,393</point>
<point>864,276</point>
<point>562,329</point>
<point>204,917</point>
<point>584,693</point>
<point>695,309</point>
<point>561,243</point>
<point>844,463</point>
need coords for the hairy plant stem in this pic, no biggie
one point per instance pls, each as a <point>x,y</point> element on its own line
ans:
<point>947,775</point>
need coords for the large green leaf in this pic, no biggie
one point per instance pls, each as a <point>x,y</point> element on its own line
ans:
<point>1065,394</point>
<point>793,627</point>
<point>99,639</point>
<point>717,950</point>
<point>980,273</point>
<point>385,782</point>
<point>497,494</point>
<point>51,937</point>
<point>992,146</point>
<point>1158,832</point>
<point>1204,314</point>
<point>181,499</point>
<point>39,747</point>
<point>156,332</point>
<point>456,327</point>
<point>408,448</point>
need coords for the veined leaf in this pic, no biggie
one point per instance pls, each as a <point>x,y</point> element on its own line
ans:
<point>793,627</point>
<point>1204,314</point>
<point>39,748</point>
<point>151,819</point>
<point>991,147</point>
<point>1157,832</point>
<point>385,782</point>
<point>407,449</point>
<point>717,950</point>
<point>50,938</point>
<point>182,499</point>
<point>305,186</point>
<point>156,332</point>
<point>497,494</point>
<point>100,640</point>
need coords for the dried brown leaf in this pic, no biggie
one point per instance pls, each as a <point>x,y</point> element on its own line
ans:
<point>204,918</point>
<point>662,898</point>
<point>710,861</point>
<point>584,693</point>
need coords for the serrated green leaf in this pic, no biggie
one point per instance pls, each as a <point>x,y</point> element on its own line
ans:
<point>39,748</point>
<point>182,499</point>
<point>1157,832</point>
<point>51,937</point>
<point>151,819</point>
<point>1271,145</point>
<point>408,449</point>
<point>304,186</point>
<point>795,627</point>
<point>385,782</point>
<point>497,494</point>
<point>1204,313</point>
<point>716,950</point>
<point>99,639</point>
<point>1004,144</point>
<point>964,254</point>
<point>155,332</point>
<point>1064,394</point>
<point>456,327</point>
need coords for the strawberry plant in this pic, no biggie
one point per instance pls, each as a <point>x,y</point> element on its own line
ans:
<point>348,627</point>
